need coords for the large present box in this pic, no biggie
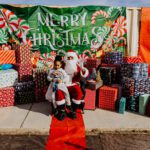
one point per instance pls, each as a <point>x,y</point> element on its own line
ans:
<point>108,97</point>
<point>137,70</point>
<point>40,94</point>
<point>7,57</point>
<point>24,92</point>
<point>7,96</point>
<point>132,59</point>
<point>25,72</point>
<point>8,78</point>
<point>109,75</point>
<point>90,99</point>
<point>113,57</point>
<point>40,78</point>
<point>93,85</point>
<point>92,63</point>
<point>135,87</point>
<point>143,100</point>
<point>23,53</point>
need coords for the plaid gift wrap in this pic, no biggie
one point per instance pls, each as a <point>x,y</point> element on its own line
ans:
<point>143,101</point>
<point>137,70</point>
<point>7,96</point>
<point>121,105</point>
<point>25,72</point>
<point>40,78</point>
<point>113,57</point>
<point>7,57</point>
<point>107,97</point>
<point>132,59</point>
<point>92,63</point>
<point>8,78</point>
<point>109,75</point>
<point>40,94</point>
<point>135,87</point>
<point>23,53</point>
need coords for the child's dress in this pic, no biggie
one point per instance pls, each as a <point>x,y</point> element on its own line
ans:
<point>54,86</point>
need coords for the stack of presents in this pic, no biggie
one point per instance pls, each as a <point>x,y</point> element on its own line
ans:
<point>19,84</point>
<point>123,85</point>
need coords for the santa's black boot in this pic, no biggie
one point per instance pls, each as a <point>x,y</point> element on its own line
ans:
<point>72,112</point>
<point>82,107</point>
<point>61,113</point>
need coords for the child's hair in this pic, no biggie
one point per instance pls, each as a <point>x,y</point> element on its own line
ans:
<point>57,61</point>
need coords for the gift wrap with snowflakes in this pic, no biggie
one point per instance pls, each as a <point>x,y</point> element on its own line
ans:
<point>7,96</point>
<point>8,78</point>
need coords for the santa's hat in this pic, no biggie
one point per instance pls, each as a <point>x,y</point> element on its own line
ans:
<point>72,53</point>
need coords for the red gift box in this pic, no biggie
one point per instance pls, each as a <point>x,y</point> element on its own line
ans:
<point>23,53</point>
<point>25,72</point>
<point>40,94</point>
<point>90,99</point>
<point>92,63</point>
<point>108,97</point>
<point>7,96</point>
<point>131,59</point>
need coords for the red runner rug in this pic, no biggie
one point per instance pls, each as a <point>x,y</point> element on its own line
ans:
<point>67,134</point>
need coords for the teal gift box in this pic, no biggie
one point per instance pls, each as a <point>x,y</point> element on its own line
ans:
<point>122,105</point>
<point>143,103</point>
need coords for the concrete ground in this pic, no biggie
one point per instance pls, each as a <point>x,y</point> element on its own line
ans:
<point>38,116</point>
<point>26,127</point>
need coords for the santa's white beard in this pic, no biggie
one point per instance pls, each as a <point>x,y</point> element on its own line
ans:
<point>71,67</point>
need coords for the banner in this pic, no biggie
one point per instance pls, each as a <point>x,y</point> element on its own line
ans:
<point>90,30</point>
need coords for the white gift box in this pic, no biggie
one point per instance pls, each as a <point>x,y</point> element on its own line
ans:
<point>8,78</point>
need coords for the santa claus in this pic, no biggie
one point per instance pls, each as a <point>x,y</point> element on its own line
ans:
<point>75,71</point>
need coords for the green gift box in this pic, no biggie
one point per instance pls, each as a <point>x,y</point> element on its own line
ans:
<point>122,105</point>
<point>143,103</point>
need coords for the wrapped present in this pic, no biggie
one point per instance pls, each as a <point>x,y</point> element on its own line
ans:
<point>40,78</point>
<point>8,78</point>
<point>108,97</point>
<point>90,99</point>
<point>24,97</point>
<point>25,72</point>
<point>93,85</point>
<point>137,70</point>
<point>7,96</point>
<point>113,57</point>
<point>40,94</point>
<point>121,105</point>
<point>108,75</point>
<point>23,53</point>
<point>143,100</point>
<point>92,63</point>
<point>132,59</point>
<point>119,87</point>
<point>135,87</point>
<point>148,107</point>
<point>7,57</point>
<point>132,103</point>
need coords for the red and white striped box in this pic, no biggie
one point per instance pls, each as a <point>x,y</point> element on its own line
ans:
<point>108,97</point>
<point>7,96</point>
<point>90,99</point>
<point>23,53</point>
<point>131,59</point>
<point>25,72</point>
<point>7,57</point>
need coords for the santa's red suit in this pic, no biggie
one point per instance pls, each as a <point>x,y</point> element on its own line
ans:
<point>75,71</point>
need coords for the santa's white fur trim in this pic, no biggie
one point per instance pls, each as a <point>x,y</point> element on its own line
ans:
<point>76,101</point>
<point>86,72</point>
<point>73,54</point>
<point>61,102</point>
